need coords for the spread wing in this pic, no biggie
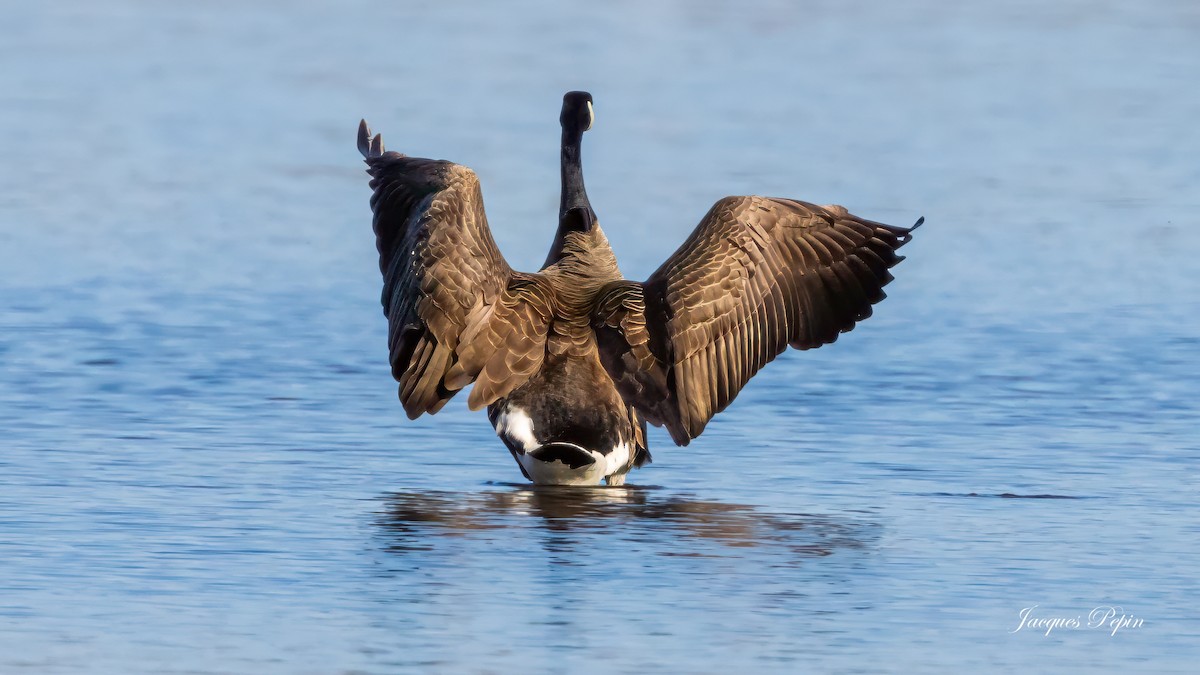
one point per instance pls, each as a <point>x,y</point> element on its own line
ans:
<point>756,276</point>
<point>457,313</point>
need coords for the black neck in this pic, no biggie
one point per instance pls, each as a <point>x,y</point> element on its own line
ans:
<point>574,195</point>
<point>574,210</point>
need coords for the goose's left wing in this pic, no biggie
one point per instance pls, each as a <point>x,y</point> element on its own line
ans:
<point>756,276</point>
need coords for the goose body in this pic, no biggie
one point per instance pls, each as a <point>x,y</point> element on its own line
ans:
<point>573,361</point>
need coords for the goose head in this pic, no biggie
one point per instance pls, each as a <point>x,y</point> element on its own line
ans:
<point>577,115</point>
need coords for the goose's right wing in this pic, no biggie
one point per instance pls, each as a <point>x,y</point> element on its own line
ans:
<point>457,313</point>
<point>756,275</point>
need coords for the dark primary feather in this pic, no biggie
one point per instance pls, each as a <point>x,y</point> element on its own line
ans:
<point>756,276</point>
<point>457,313</point>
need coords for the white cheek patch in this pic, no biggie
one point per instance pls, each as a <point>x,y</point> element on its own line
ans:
<point>591,116</point>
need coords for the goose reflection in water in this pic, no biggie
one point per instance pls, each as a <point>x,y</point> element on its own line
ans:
<point>681,525</point>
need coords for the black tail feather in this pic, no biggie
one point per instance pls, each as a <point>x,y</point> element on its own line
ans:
<point>369,146</point>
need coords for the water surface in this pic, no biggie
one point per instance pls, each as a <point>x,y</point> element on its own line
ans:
<point>204,468</point>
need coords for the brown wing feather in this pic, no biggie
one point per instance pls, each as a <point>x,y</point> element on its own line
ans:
<point>457,313</point>
<point>756,276</point>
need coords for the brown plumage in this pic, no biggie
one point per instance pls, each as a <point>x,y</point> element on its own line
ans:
<point>756,276</point>
<point>547,350</point>
<point>457,313</point>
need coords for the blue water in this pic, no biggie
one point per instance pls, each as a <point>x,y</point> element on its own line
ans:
<point>204,468</point>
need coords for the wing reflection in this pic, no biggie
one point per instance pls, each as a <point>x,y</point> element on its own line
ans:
<point>413,520</point>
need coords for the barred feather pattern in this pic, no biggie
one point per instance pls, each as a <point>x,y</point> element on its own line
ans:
<point>457,313</point>
<point>757,275</point>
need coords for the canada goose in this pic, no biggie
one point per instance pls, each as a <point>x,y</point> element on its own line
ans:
<point>573,360</point>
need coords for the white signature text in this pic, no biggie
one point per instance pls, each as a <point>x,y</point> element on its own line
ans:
<point>1112,619</point>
